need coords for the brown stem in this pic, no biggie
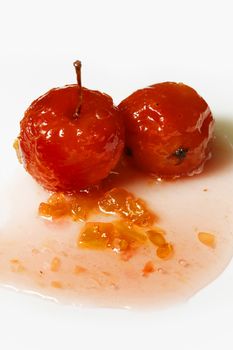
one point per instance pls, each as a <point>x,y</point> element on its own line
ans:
<point>77,66</point>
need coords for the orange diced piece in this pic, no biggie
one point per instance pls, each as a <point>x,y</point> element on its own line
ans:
<point>123,203</point>
<point>207,238</point>
<point>131,234</point>
<point>96,235</point>
<point>78,211</point>
<point>119,244</point>
<point>81,205</point>
<point>138,213</point>
<point>165,251</point>
<point>45,210</point>
<point>56,207</point>
<point>156,237</point>
<point>120,236</point>
<point>113,200</point>
<point>60,205</point>
<point>148,269</point>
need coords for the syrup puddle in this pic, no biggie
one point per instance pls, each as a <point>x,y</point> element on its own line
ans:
<point>42,257</point>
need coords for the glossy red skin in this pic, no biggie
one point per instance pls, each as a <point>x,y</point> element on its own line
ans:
<point>162,118</point>
<point>64,153</point>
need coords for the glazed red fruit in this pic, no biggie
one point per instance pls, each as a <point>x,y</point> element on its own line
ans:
<point>71,138</point>
<point>169,128</point>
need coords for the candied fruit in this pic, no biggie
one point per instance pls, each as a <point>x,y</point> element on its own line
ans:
<point>165,251</point>
<point>207,239</point>
<point>148,268</point>
<point>130,233</point>
<point>78,206</point>
<point>120,236</point>
<point>156,237</point>
<point>121,202</point>
<point>59,205</point>
<point>96,235</point>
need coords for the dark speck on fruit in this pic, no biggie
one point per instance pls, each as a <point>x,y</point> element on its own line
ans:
<point>180,153</point>
<point>128,152</point>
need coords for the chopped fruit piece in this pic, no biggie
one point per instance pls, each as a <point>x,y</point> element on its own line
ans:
<point>59,205</point>
<point>56,207</point>
<point>148,269</point>
<point>79,269</point>
<point>123,203</point>
<point>169,129</point>
<point>56,284</point>
<point>165,251</point>
<point>79,206</point>
<point>96,235</point>
<point>17,149</point>
<point>120,236</point>
<point>131,236</point>
<point>207,238</point>
<point>156,236</point>
<point>55,264</point>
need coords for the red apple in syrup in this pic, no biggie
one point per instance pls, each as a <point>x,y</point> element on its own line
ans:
<point>71,137</point>
<point>169,129</point>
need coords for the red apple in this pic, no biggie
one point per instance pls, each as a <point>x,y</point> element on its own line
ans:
<point>71,137</point>
<point>169,128</point>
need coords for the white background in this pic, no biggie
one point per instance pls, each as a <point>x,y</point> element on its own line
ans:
<point>123,45</point>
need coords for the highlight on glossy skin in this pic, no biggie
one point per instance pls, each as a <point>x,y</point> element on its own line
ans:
<point>71,137</point>
<point>169,128</point>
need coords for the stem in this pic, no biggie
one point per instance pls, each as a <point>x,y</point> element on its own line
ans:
<point>77,65</point>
